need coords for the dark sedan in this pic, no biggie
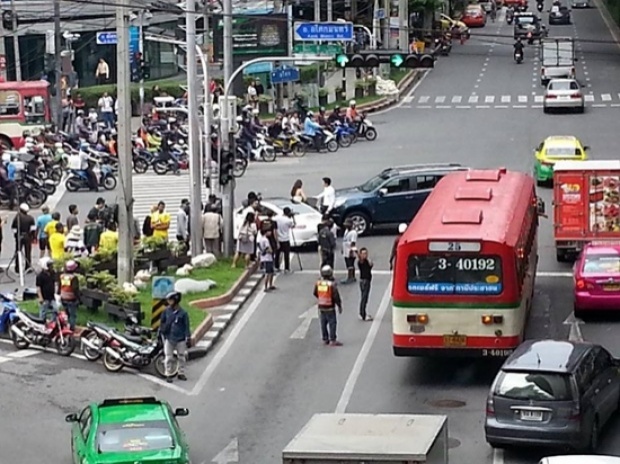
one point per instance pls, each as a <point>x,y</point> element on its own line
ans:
<point>559,16</point>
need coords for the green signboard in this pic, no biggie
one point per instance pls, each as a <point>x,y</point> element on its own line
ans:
<point>317,49</point>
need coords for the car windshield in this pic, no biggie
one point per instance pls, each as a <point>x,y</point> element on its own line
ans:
<point>565,151</point>
<point>602,264</point>
<point>134,436</point>
<point>373,184</point>
<point>563,85</point>
<point>522,20</point>
<point>541,386</point>
<point>298,208</point>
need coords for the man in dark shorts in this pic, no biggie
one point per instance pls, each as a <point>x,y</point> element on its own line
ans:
<point>43,220</point>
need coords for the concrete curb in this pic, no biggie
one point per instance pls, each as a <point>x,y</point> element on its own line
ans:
<point>227,313</point>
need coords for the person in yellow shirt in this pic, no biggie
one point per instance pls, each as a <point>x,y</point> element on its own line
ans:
<point>160,221</point>
<point>57,242</point>
<point>50,227</point>
<point>109,239</point>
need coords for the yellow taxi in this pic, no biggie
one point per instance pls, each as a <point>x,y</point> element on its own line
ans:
<point>553,149</point>
<point>452,25</point>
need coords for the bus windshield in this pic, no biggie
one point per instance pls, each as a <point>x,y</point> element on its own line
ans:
<point>454,275</point>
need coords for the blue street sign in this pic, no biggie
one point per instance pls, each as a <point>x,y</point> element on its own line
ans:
<point>258,68</point>
<point>284,74</point>
<point>106,38</point>
<point>161,286</point>
<point>324,31</point>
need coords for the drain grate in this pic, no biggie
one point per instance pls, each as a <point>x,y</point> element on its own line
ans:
<point>447,404</point>
<point>453,442</point>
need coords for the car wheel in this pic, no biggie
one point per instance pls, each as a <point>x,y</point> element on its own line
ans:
<point>360,221</point>
<point>545,110</point>
<point>579,314</point>
<point>581,109</point>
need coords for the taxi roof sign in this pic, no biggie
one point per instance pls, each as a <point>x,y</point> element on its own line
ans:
<point>137,400</point>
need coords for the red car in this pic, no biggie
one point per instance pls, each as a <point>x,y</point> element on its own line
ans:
<point>597,278</point>
<point>516,3</point>
<point>474,16</point>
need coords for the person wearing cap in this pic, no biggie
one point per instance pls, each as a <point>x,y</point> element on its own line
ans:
<point>24,228</point>
<point>46,288</point>
<point>69,291</point>
<point>74,243</point>
<point>160,221</point>
<point>42,221</point>
<point>401,230</point>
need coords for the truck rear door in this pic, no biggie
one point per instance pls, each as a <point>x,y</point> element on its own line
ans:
<point>570,205</point>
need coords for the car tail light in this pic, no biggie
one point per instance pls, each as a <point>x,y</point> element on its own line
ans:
<point>575,95</point>
<point>583,284</point>
<point>488,319</point>
<point>417,318</point>
<point>490,406</point>
<point>551,97</point>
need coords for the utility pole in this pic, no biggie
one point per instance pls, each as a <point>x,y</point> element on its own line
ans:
<point>141,50</point>
<point>207,106</point>
<point>317,19</point>
<point>2,51</point>
<point>228,191</point>
<point>125,207</point>
<point>195,162</point>
<point>330,10</point>
<point>18,61</point>
<point>57,63</point>
<point>403,25</point>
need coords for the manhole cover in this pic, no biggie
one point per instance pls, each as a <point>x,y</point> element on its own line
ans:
<point>453,442</point>
<point>447,403</point>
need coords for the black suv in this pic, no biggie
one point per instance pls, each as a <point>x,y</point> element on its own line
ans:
<point>526,23</point>
<point>392,197</point>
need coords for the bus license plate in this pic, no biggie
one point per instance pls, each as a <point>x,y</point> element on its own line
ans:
<point>536,416</point>
<point>455,340</point>
<point>495,352</point>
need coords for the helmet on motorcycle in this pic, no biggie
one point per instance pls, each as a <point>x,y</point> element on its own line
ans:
<point>310,114</point>
<point>352,103</point>
<point>337,108</point>
<point>46,263</point>
<point>326,271</point>
<point>239,119</point>
<point>29,140</point>
<point>175,297</point>
<point>24,208</point>
<point>255,112</point>
<point>80,112</point>
<point>322,109</point>
<point>58,145</point>
<point>71,265</point>
<point>6,157</point>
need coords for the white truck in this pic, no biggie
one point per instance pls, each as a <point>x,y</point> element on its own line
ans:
<point>557,58</point>
<point>370,439</point>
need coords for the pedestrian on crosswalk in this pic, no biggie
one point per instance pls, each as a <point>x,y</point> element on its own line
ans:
<point>365,265</point>
<point>183,224</point>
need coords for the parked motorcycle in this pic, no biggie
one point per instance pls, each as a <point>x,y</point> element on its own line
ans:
<point>78,179</point>
<point>122,351</point>
<point>96,337</point>
<point>28,329</point>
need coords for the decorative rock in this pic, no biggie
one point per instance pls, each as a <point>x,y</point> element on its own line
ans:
<point>204,260</point>
<point>193,286</point>
<point>143,276</point>
<point>130,288</point>
<point>185,270</point>
<point>140,284</point>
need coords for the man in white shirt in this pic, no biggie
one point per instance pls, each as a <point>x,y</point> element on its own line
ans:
<point>106,108</point>
<point>328,196</point>
<point>349,250</point>
<point>285,223</point>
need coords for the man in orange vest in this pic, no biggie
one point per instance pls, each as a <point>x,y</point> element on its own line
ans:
<point>326,292</point>
<point>69,291</point>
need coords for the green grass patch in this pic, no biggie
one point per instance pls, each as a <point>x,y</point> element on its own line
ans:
<point>398,75</point>
<point>220,272</point>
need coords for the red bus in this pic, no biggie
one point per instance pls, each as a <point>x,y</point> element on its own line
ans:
<point>24,106</point>
<point>464,276</point>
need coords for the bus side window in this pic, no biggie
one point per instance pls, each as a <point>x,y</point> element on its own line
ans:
<point>9,103</point>
<point>34,110</point>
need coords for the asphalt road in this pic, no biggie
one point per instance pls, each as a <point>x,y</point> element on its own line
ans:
<point>270,372</point>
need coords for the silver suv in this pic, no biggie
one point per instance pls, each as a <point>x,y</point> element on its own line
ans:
<point>553,393</point>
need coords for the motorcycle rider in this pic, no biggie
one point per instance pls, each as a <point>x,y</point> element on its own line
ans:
<point>246,135</point>
<point>6,183</point>
<point>335,116</point>
<point>313,129</point>
<point>328,299</point>
<point>174,329</point>
<point>352,117</point>
<point>519,48</point>
<point>81,125</point>
<point>275,129</point>
<point>86,165</point>
<point>321,118</point>
<point>69,291</point>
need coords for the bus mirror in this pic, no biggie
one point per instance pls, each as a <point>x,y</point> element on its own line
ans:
<point>540,207</point>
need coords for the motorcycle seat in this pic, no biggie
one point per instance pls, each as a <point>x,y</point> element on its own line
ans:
<point>35,318</point>
<point>133,338</point>
<point>98,325</point>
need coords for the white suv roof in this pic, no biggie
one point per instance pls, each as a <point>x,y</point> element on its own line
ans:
<point>582,459</point>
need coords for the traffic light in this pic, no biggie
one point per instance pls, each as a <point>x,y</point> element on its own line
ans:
<point>226,168</point>
<point>145,70</point>
<point>375,58</point>
<point>7,20</point>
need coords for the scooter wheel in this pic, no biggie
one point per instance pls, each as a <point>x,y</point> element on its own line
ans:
<point>345,141</point>
<point>20,343</point>
<point>269,155</point>
<point>299,150</point>
<point>36,198</point>
<point>109,183</point>
<point>160,366</point>
<point>371,134</point>
<point>66,346</point>
<point>332,146</point>
<point>140,166</point>
<point>160,167</point>
<point>111,363</point>
<point>241,164</point>
<point>72,185</point>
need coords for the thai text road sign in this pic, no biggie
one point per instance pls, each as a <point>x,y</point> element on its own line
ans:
<point>334,32</point>
<point>317,49</point>
<point>106,38</point>
<point>284,74</point>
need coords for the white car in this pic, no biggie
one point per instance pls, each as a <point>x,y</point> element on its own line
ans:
<point>307,219</point>
<point>575,459</point>
<point>581,4</point>
<point>563,94</point>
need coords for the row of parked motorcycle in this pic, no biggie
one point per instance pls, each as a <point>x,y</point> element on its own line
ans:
<point>136,346</point>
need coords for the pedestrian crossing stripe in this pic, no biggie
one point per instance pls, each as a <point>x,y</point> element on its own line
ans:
<point>473,99</point>
<point>489,99</point>
<point>157,309</point>
<point>456,99</point>
<point>505,99</point>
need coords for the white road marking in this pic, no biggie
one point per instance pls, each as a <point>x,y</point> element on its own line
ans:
<point>599,105</point>
<point>407,99</point>
<point>489,99</point>
<point>463,107</point>
<point>4,359</point>
<point>615,105</point>
<point>482,106</point>
<point>574,333</point>
<point>440,99</point>
<point>229,454</point>
<point>424,107</point>
<point>519,106</point>
<point>227,345</point>
<point>473,99</point>
<point>536,106</point>
<point>539,98</point>
<point>498,456</point>
<point>522,98</point>
<point>457,99</point>
<point>505,99</point>
<point>307,316</point>
<point>443,107</point>
<point>606,97</point>
<point>424,99</point>
<point>501,106</point>
<point>349,386</point>
<point>23,354</point>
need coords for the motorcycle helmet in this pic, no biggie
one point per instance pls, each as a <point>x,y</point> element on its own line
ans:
<point>71,265</point>
<point>239,119</point>
<point>46,263</point>
<point>24,208</point>
<point>84,146</point>
<point>174,296</point>
<point>80,112</point>
<point>310,114</point>
<point>58,145</point>
<point>29,140</point>
<point>352,103</point>
<point>23,151</point>
<point>326,271</point>
<point>322,109</point>
<point>255,112</point>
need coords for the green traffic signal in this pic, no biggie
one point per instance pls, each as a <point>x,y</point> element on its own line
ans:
<point>342,60</point>
<point>397,60</point>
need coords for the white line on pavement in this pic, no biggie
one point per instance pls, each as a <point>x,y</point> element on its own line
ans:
<point>230,340</point>
<point>498,456</point>
<point>349,386</point>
